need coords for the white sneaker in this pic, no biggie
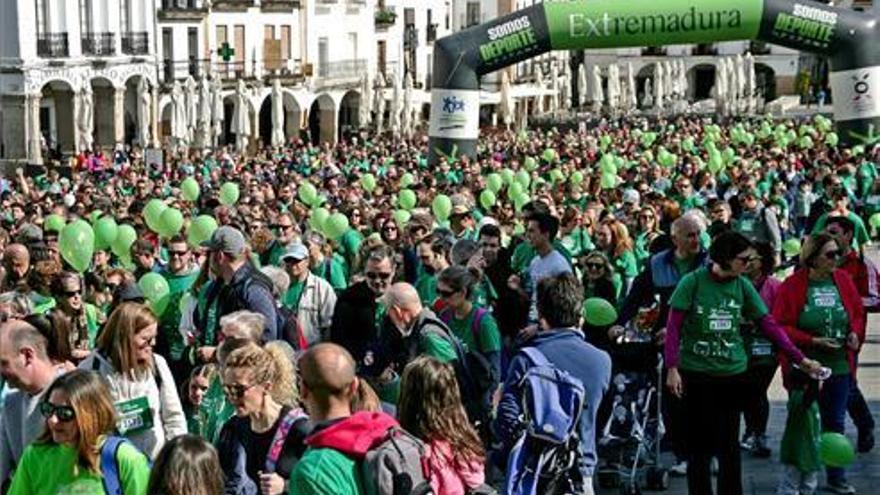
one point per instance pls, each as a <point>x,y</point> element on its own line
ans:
<point>679,468</point>
<point>842,488</point>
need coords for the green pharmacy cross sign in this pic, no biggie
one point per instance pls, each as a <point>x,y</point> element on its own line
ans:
<point>226,52</point>
<point>847,37</point>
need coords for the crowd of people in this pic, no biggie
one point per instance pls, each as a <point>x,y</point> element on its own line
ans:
<point>349,301</point>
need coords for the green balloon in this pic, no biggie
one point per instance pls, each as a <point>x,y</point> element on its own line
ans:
<point>576,177</point>
<point>125,237</point>
<point>406,199</point>
<point>835,450</point>
<point>54,223</point>
<point>487,199</point>
<point>336,226</point>
<point>515,190</point>
<point>368,182</point>
<point>523,178</point>
<point>106,231</point>
<point>530,163</point>
<point>76,242</point>
<point>831,139</point>
<point>791,247</point>
<point>229,194</point>
<point>507,176</point>
<point>874,221</point>
<point>153,213</point>
<point>318,218</point>
<point>494,182</point>
<point>556,175</point>
<point>520,200</point>
<point>307,193</point>
<point>599,312</point>
<point>170,222</point>
<point>156,292</point>
<point>442,207</point>
<point>608,181</point>
<point>549,155</point>
<point>401,217</point>
<point>190,189</point>
<point>407,180</point>
<point>200,230</point>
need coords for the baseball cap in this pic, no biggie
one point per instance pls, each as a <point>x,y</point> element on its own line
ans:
<point>631,196</point>
<point>296,251</point>
<point>227,240</point>
<point>460,205</point>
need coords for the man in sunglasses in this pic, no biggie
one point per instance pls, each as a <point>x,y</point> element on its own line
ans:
<point>358,314</point>
<point>180,273</point>
<point>309,296</point>
<point>26,367</point>
<point>286,232</point>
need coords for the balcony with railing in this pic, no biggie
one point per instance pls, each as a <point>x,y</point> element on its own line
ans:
<point>279,5</point>
<point>710,49</point>
<point>289,70</point>
<point>232,5</point>
<point>182,10</point>
<point>343,69</point>
<point>135,43</point>
<point>53,45</point>
<point>99,43</point>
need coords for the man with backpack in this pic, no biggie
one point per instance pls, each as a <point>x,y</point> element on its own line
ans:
<point>560,379</point>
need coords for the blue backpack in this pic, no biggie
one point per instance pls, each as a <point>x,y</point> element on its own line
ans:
<point>545,458</point>
<point>110,465</point>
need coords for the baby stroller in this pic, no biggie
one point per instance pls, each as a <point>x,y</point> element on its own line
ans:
<point>629,441</point>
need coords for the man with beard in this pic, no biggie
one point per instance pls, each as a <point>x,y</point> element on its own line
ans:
<point>180,275</point>
<point>358,314</point>
<point>433,252</point>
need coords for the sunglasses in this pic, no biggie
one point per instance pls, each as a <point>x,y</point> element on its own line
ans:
<point>389,228</point>
<point>833,254</point>
<point>747,259</point>
<point>646,217</point>
<point>72,293</point>
<point>62,413</point>
<point>281,227</point>
<point>181,254</point>
<point>594,266</point>
<point>378,276</point>
<point>237,391</point>
<point>446,292</point>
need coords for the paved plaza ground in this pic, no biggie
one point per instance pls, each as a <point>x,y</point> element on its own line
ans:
<point>761,475</point>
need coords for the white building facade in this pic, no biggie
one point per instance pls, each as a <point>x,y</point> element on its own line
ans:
<point>70,72</point>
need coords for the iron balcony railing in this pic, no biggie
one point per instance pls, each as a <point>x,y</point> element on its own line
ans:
<point>99,43</point>
<point>137,43</point>
<point>342,68</point>
<point>53,45</point>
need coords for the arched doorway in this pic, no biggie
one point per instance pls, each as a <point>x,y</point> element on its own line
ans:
<point>131,110</point>
<point>58,119</point>
<point>765,81</point>
<point>349,113</point>
<point>228,138</point>
<point>292,114</point>
<point>645,73</point>
<point>701,80</point>
<point>322,120</point>
<point>104,100</point>
<point>165,116</point>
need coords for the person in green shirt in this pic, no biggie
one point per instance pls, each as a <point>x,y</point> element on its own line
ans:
<point>285,232</point>
<point>840,208</point>
<point>474,326</point>
<point>703,340</point>
<point>648,229</point>
<point>324,262</point>
<point>67,292</point>
<point>613,239</point>
<point>433,252</point>
<point>180,274</point>
<point>67,457</point>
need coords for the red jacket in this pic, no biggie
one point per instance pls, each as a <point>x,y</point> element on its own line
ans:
<point>792,297</point>
<point>864,276</point>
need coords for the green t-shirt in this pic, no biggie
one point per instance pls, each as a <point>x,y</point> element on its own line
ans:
<point>711,342</point>
<point>625,267</point>
<point>577,242</point>
<point>214,410</point>
<point>824,316</point>
<point>426,286</point>
<point>326,472</point>
<point>484,293</point>
<point>524,253</point>
<point>333,271</point>
<point>292,296</point>
<point>488,335</point>
<point>860,237</point>
<point>53,469</point>
<point>169,322</point>
<point>349,247</point>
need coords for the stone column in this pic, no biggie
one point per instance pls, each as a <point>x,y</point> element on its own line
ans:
<point>119,115</point>
<point>154,116</point>
<point>15,122</point>
<point>35,152</point>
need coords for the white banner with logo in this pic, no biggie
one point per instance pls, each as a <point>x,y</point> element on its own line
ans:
<point>856,93</point>
<point>455,114</point>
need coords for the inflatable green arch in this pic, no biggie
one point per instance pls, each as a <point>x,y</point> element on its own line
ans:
<point>849,38</point>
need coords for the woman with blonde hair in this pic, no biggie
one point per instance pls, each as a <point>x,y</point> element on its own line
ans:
<point>612,238</point>
<point>262,443</point>
<point>141,383</point>
<point>430,408</point>
<point>67,457</point>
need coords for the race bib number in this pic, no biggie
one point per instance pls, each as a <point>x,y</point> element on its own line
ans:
<point>761,349</point>
<point>721,324</point>
<point>825,301</point>
<point>135,415</point>
<point>747,225</point>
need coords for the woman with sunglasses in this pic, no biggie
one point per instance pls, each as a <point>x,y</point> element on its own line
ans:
<point>612,237</point>
<point>707,360</point>
<point>598,281</point>
<point>83,317</point>
<point>261,444</point>
<point>66,458</point>
<point>822,312</point>
<point>647,229</point>
<point>141,382</point>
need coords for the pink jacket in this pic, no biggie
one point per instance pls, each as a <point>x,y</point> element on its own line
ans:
<point>449,477</point>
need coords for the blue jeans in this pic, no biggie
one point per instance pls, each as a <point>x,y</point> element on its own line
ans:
<point>833,398</point>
